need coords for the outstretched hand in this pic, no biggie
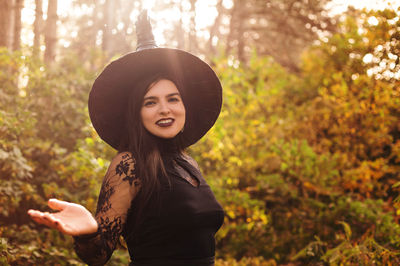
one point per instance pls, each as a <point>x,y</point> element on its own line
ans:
<point>71,219</point>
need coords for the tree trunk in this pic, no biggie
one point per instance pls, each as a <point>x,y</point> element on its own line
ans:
<point>193,33</point>
<point>5,16</point>
<point>107,25</point>
<point>50,34</point>
<point>240,31</point>
<point>236,30</point>
<point>11,24</point>
<point>37,26</point>
<point>17,24</point>
<point>232,21</point>
<point>179,32</point>
<point>127,9</point>
<point>214,30</point>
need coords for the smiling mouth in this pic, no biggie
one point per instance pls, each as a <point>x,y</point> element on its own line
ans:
<point>165,122</point>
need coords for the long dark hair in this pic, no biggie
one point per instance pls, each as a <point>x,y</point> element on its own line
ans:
<point>147,149</point>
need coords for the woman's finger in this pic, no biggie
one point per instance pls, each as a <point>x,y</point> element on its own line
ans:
<point>56,204</point>
<point>42,220</point>
<point>37,219</point>
<point>38,216</point>
<point>49,220</point>
<point>34,213</point>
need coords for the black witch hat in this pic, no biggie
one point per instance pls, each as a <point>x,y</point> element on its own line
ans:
<point>108,97</point>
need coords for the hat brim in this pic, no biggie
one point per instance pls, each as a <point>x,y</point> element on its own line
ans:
<point>108,99</point>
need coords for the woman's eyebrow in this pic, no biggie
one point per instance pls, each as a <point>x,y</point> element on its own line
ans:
<point>155,97</point>
<point>150,98</point>
<point>173,94</point>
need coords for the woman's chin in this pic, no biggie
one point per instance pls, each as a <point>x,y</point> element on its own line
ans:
<point>166,135</point>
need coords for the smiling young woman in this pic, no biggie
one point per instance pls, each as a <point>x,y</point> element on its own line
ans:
<point>163,112</point>
<point>149,105</point>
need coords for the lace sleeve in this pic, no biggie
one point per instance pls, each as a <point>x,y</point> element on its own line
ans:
<point>120,185</point>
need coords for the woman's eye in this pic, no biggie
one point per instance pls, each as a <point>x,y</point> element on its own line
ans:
<point>173,99</point>
<point>149,103</point>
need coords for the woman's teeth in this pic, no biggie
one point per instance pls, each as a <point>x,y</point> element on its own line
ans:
<point>164,122</point>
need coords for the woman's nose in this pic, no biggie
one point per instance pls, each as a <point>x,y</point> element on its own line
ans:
<point>164,108</point>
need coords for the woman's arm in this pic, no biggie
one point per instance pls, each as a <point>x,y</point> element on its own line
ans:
<point>95,242</point>
<point>120,185</point>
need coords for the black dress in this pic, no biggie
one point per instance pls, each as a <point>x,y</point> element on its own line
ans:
<point>176,228</point>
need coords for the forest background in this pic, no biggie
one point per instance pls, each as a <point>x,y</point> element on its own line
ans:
<point>305,157</point>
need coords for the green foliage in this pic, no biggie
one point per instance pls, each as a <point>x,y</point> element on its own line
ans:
<point>254,261</point>
<point>47,149</point>
<point>365,251</point>
<point>316,152</point>
<point>306,166</point>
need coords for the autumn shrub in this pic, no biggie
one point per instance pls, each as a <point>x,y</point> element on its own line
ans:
<point>314,151</point>
<point>47,149</point>
<point>306,165</point>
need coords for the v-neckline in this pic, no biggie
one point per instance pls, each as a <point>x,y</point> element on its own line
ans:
<point>183,172</point>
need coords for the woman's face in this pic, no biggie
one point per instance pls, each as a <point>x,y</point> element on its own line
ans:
<point>163,112</point>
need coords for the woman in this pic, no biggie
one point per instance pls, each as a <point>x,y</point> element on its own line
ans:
<point>149,105</point>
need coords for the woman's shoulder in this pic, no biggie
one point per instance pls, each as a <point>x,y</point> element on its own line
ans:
<point>123,160</point>
<point>124,156</point>
<point>190,159</point>
<point>122,167</point>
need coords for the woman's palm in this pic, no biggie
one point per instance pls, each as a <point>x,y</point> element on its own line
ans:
<point>72,219</point>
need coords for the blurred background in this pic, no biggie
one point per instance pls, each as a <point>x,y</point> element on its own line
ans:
<point>305,157</point>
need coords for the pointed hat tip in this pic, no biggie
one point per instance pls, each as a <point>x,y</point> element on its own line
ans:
<point>145,37</point>
<point>142,15</point>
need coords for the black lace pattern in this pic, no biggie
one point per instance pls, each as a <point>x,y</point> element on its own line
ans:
<point>120,185</point>
<point>106,192</point>
<point>124,169</point>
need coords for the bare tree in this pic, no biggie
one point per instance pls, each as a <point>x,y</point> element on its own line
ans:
<point>179,31</point>
<point>281,29</point>
<point>16,44</point>
<point>37,26</point>
<point>214,30</point>
<point>128,24</point>
<point>5,16</point>
<point>11,25</point>
<point>236,28</point>
<point>50,34</point>
<point>192,29</point>
<point>107,24</point>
